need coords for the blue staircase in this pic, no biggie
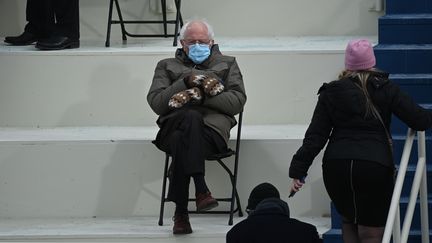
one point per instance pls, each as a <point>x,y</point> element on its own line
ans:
<point>405,51</point>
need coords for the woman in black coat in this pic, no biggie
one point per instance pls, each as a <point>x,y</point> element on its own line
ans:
<point>353,114</point>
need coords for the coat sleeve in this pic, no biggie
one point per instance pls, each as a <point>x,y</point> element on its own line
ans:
<point>404,107</point>
<point>162,88</point>
<point>231,236</point>
<point>232,100</point>
<point>314,141</point>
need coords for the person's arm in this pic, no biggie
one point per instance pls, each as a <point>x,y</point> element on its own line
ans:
<point>315,139</point>
<point>162,89</point>
<point>404,107</point>
<point>315,236</point>
<point>233,98</point>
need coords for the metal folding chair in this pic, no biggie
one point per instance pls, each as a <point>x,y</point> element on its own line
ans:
<point>234,200</point>
<point>178,22</point>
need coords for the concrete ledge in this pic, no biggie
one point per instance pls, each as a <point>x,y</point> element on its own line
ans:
<point>142,133</point>
<point>206,229</point>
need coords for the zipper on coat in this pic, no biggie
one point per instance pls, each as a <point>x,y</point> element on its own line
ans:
<point>353,192</point>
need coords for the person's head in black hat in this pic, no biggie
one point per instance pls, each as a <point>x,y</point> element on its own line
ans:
<point>262,191</point>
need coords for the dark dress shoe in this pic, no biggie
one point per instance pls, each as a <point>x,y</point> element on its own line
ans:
<point>181,224</point>
<point>26,38</point>
<point>205,201</point>
<point>57,43</point>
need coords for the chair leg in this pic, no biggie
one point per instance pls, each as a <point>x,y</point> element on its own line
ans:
<point>180,16</point>
<point>123,29</point>
<point>177,21</point>
<point>240,211</point>
<point>164,17</point>
<point>234,195</point>
<point>107,41</point>
<point>164,181</point>
<point>235,199</point>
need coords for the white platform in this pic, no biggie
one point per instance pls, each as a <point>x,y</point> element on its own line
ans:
<point>75,128</point>
<point>143,229</point>
<point>75,137</point>
<point>122,134</point>
<point>98,86</point>
<point>231,45</point>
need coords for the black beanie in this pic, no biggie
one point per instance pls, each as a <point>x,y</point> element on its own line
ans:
<point>262,191</point>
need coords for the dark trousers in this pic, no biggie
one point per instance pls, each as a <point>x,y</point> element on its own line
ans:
<point>53,17</point>
<point>189,142</point>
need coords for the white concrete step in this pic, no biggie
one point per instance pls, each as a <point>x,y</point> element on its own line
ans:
<point>26,135</point>
<point>206,229</point>
<point>98,86</point>
<point>117,172</point>
<point>229,18</point>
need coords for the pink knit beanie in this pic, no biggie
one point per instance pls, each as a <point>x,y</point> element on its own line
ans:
<point>359,55</point>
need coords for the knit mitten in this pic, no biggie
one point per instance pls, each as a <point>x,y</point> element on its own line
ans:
<point>194,80</point>
<point>181,98</point>
<point>212,86</point>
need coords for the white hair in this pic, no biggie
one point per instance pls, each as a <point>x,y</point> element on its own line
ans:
<point>202,21</point>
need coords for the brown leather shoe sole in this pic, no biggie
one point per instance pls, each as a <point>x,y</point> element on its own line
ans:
<point>208,206</point>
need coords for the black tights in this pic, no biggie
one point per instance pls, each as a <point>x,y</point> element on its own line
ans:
<point>352,233</point>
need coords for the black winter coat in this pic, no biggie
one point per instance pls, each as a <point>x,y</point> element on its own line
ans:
<point>340,118</point>
<point>271,223</point>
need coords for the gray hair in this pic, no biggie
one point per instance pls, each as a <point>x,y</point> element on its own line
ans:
<point>186,26</point>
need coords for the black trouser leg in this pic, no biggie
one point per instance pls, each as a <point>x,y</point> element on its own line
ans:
<point>67,18</point>
<point>188,141</point>
<point>40,17</point>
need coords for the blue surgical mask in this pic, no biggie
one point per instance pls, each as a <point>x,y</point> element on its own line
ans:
<point>198,53</point>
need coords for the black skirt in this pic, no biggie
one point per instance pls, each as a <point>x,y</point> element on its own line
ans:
<point>360,190</point>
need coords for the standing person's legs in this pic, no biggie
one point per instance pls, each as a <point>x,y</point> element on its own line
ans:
<point>66,29</point>
<point>350,232</point>
<point>40,17</point>
<point>67,18</point>
<point>370,234</point>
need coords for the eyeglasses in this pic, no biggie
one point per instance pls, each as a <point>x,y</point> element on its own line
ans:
<point>192,42</point>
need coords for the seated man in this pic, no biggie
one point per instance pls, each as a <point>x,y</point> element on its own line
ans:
<point>196,95</point>
<point>269,221</point>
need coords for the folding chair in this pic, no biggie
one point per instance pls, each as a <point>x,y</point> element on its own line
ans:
<point>178,22</point>
<point>234,199</point>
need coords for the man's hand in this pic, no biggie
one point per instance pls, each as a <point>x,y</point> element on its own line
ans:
<point>212,86</point>
<point>194,80</point>
<point>181,98</point>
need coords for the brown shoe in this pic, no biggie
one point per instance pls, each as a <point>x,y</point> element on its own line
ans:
<point>181,224</point>
<point>205,201</point>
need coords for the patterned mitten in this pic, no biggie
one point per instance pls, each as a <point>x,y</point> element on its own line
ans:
<point>194,80</point>
<point>181,98</point>
<point>212,86</point>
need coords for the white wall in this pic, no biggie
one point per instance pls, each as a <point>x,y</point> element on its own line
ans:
<point>123,179</point>
<point>110,90</point>
<point>230,18</point>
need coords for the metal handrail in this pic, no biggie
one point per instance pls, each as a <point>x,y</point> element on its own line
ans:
<point>419,184</point>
